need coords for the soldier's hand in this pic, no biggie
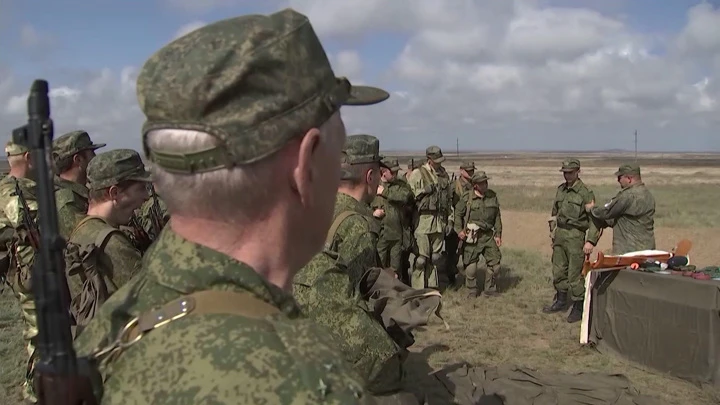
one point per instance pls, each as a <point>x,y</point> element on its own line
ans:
<point>462,235</point>
<point>588,248</point>
<point>380,189</point>
<point>589,205</point>
<point>498,240</point>
<point>379,213</point>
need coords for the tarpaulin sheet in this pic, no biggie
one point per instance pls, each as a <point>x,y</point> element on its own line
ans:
<point>511,385</point>
<point>667,323</point>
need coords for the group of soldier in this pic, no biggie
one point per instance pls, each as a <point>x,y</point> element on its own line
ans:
<point>253,294</point>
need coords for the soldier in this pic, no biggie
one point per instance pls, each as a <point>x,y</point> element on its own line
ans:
<point>244,134</point>
<point>411,166</point>
<point>573,236</point>
<point>153,211</point>
<point>17,249</point>
<point>430,186</point>
<point>461,184</point>
<point>72,153</point>
<point>478,223</point>
<point>355,231</point>
<point>630,213</point>
<point>394,196</point>
<point>117,181</point>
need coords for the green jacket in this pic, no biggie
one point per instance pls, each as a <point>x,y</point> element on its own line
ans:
<point>569,210</point>
<point>395,199</point>
<point>484,211</point>
<point>631,214</point>
<point>216,358</point>
<point>72,204</point>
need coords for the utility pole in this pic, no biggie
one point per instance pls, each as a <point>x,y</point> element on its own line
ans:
<point>636,146</point>
<point>457,146</point>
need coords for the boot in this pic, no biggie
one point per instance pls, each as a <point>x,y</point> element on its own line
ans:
<point>472,293</point>
<point>490,288</point>
<point>576,312</point>
<point>559,303</point>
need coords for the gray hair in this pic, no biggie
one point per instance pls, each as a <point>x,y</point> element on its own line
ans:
<point>233,195</point>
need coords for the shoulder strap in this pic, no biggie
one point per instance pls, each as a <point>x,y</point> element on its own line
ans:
<point>467,208</point>
<point>79,224</point>
<point>241,303</point>
<point>335,225</point>
<point>425,174</point>
<point>104,236</point>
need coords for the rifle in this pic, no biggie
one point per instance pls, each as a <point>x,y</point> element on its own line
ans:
<point>142,239</point>
<point>156,217</point>
<point>57,373</point>
<point>27,222</point>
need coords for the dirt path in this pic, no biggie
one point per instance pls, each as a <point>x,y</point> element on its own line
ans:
<point>529,230</point>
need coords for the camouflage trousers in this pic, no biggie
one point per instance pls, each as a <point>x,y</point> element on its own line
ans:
<point>391,253</point>
<point>428,260</point>
<point>471,254</point>
<point>567,262</point>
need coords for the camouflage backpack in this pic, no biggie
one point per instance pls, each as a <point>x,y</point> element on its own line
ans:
<point>88,282</point>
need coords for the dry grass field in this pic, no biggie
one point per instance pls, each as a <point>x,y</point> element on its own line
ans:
<point>512,328</point>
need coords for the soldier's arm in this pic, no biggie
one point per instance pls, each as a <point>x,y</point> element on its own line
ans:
<point>460,212</point>
<point>417,184</point>
<point>593,232</point>
<point>126,260</point>
<point>498,220</point>
<point>614,209</point>
<point>555,208</point>
<point>358,249</point>
<point>69,213</point>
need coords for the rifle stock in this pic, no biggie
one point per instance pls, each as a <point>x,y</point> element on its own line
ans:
<point>57,377</point>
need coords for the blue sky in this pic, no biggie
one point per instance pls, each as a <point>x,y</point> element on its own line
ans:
<point>510,102</point>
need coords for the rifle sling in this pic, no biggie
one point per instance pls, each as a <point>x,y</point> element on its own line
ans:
<point>242,303</point>
<point>336,225</point>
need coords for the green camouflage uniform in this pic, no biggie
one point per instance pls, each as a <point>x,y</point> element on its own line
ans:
<point>394,200</point>
<point>71,197</point>
<point>145,217</point>
<point>325,294</point>
<point>255,83</point>
<point>460,185</point>
<point>119,258</point>
<point>485,213</point>
<point>431,191</point>
<point>631,214</point>
<point>356,237</point>
<point>571,228</point>
<point>21,259</point>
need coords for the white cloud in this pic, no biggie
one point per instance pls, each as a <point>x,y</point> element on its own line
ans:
<point>188,28</point>
<point>498,74</point>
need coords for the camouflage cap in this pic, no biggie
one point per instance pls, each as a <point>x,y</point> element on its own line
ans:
<point>391,164</point>
<point>115,166</point>
<point>628,169</point>
<point>252,82</point>
<point>467,166</point>
<point>570,165</point>
<point>479,177</point>
<point>14,149</point>
<point>73,142</point>
<point>360,149</point>
<point>435,154</point>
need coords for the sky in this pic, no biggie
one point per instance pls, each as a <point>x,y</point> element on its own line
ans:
<point>490,75</point>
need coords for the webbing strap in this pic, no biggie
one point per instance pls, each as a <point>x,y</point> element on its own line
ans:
<point>203,302</point>
<point>335,225</point>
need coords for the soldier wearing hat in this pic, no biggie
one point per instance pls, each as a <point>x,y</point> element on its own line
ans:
<point>117,182</point>
<point>244,135</point>
<point>478,224</point>
<point>72,153</point>
<point>461,185</point>
<point>431,186</point>
<point>15,267</point>
<point>395,199</point>
<point>412,165</point>
<point>573,236</point>
<point>352,247</point>
<point>631,213</point>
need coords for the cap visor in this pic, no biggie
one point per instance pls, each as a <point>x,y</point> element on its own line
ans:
<point>366,95</point>
<point>439,160</point>
<point>97,146</point>
<point>567,170</point>
<point>145,176</point>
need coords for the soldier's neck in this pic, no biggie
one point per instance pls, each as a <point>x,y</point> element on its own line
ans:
<point>18,173</point>
<point>246,243</point>
<point>74,176</point>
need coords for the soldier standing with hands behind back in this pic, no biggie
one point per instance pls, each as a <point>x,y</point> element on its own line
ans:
<point>573,237</point>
